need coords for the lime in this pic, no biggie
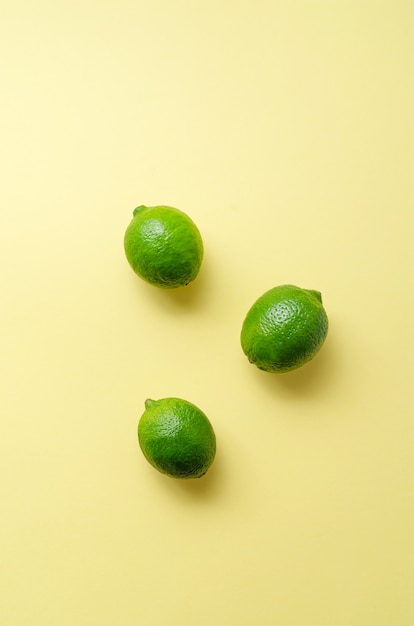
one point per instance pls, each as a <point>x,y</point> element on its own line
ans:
<point>284,328</point>
<point>163,246</point>
<point>176,438</point>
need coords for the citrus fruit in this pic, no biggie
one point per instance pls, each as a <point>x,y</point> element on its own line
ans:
<point>163,246</point>
<point>284,328</point>
<point>176,438</point>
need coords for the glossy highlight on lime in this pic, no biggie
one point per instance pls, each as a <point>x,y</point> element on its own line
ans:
<point>284,328</point>
<point>176,438</point>
<point>163,246</point>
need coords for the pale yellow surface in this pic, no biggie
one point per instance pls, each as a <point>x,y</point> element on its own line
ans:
<point>285,130</point>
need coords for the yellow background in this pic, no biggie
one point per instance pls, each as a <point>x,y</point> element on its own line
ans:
<point>285,130</point>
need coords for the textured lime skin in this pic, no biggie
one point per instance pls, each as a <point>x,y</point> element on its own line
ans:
<point>176,438</point>
<point>284,328</point>
<point>163,246</point>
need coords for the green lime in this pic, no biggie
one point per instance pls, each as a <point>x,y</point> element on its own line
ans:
<point>176,438</point>
<point>163,246</point>
<point>284,328</point>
